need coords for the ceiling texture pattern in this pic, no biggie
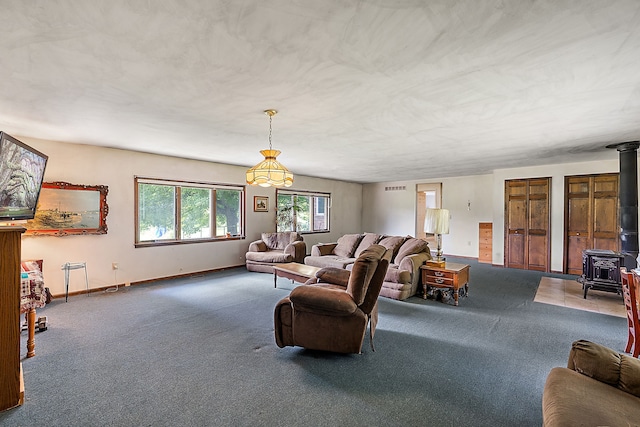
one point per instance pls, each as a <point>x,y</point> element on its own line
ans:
<point>367,91</point>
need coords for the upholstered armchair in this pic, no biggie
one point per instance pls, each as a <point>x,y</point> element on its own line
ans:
<point>275,248</point>
<point>332,311</point>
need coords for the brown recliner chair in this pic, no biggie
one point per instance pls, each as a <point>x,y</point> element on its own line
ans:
<point>331,312</point>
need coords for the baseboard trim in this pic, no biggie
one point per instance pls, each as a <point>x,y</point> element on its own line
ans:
<point>473,258</point>
<point>145,281</point>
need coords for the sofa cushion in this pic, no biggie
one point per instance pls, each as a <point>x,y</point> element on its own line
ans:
<point>269,256</point>
<point>595,361</point>
<point>572,399</point>
<point>347,245</point>
<point>397,276</point>
<point>392,243</point>
<point>368,240</point>
<point>276,240</point>
<point>409,247</point>
<point>329,261</point>
<point>322,300</point>
<point>629,375</point>
<point>606,365</point>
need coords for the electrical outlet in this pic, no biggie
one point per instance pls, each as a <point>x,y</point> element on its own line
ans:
<point>114,265</point>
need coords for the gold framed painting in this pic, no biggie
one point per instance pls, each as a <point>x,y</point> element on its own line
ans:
<point>260,204</point>
<point>67,209</point>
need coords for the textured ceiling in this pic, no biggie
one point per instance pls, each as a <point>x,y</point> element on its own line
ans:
<point>367,91</point>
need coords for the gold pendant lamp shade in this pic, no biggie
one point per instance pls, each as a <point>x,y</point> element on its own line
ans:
<point>270,172</point>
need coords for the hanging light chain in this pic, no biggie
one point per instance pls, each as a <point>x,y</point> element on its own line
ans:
<point>270,113</point>
<point>270,119</point>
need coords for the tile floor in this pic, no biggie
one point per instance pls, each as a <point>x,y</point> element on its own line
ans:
<point>569,293</point>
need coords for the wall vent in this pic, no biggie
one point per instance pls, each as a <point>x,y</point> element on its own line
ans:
<point>396,188</point>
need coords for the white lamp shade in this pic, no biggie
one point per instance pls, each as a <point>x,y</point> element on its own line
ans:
<point>436,221</point>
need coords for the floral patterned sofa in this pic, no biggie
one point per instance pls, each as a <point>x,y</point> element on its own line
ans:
<point>403,276</point>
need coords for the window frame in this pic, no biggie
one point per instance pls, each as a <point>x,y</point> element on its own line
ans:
<point>178,185</point>
<point>312,209</point>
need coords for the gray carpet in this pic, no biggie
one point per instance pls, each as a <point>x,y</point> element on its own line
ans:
<point>200,352</point>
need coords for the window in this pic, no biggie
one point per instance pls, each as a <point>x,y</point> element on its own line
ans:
<point>183,212</point>
<point>302,211</point>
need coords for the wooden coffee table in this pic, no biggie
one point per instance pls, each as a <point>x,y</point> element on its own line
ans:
<point>295,271</point>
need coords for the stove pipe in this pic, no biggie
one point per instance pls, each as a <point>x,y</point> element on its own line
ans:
<point>628,199</point>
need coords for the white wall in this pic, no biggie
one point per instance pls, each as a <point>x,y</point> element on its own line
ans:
<point>355,208</point>
<point>90,165</point>
<point>557,174</point>
<point>393,212</point>
<point>469,200</point>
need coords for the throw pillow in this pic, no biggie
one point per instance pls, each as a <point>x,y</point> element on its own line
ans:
<point>409,247</point>
<point>272,240</point>
<point>392,243</point>
<point>347,245</point>
<point>595,361</point>
<point>368,240</point>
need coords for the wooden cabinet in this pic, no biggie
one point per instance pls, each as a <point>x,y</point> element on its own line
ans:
<point>11,389</point>
<point>485,253</point>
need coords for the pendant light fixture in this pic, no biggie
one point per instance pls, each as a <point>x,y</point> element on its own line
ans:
<point>269,172</point>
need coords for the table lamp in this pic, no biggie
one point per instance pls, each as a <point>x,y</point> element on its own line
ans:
<point>436,221</point>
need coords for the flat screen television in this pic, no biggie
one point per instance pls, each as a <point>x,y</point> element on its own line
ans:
<point>21,175</point>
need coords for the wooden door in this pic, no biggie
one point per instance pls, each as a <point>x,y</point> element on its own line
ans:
<point>527,224</point>
<point>591,217</point>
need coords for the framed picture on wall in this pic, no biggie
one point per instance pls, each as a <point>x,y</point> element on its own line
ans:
<point>260,204</point>
<point>67,209</point>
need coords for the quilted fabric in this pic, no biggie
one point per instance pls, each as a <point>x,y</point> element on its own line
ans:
<point>32,293</point>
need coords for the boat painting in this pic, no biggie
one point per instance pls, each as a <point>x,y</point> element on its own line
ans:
<point>70,209</point>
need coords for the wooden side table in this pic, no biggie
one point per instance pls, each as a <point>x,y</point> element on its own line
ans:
<point>452,275</point>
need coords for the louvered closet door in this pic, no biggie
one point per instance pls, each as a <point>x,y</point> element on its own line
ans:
<point>515,223</point>
<point>538,225</point>
<point>527,224</point>
<point>591,217</point>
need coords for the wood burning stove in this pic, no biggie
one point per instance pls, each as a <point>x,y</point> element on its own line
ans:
<point>601,270</point>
